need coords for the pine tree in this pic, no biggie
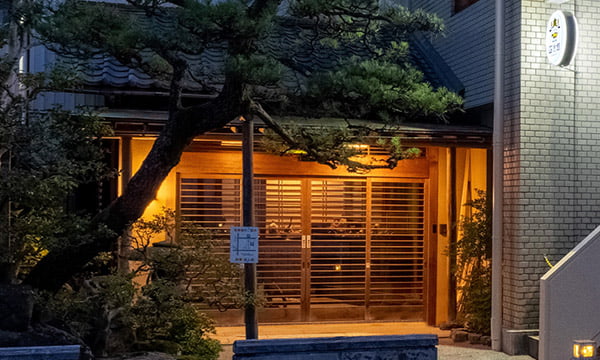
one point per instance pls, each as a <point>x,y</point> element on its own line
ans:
<point>161,37</point>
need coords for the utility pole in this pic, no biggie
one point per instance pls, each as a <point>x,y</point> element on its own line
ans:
<point>248,220</point>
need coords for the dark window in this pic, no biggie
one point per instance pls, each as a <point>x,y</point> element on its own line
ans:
<point>460,5</point>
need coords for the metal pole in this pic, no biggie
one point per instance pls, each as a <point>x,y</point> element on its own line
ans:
<point>248,220</point>
<point>498,177</point>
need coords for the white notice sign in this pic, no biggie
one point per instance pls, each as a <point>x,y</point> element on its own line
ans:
<point>244,245</point>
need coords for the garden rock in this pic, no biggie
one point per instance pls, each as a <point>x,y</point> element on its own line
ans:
<point>459,335</point>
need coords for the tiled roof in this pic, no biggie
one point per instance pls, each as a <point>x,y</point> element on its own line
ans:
<point>286,41</point>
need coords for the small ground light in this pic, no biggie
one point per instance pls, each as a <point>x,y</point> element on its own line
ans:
<point>584,349</point>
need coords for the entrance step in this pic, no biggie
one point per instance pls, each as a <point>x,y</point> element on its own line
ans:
<point>533,342</point>
<point>229,334</point>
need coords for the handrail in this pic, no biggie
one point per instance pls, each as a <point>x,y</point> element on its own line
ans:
<point>569,294</point>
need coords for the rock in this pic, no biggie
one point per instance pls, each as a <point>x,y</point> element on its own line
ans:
<point>486,340</point>
<point>16,307</point>
<point>450,325</point>
<point>459,335</point>
<point>474,338</point>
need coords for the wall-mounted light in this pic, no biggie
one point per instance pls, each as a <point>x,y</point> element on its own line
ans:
<point>584,349</point>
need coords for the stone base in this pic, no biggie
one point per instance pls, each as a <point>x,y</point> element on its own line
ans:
<point>64,352</point>
<point>416,347</point>
<point>534,344</point>
<point>42,335</point>
<point>516,342</point>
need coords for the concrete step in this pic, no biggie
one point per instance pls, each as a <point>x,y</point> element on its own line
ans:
<point>533,342</point>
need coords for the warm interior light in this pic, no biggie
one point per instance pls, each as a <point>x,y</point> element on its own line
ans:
<point>361,147</point>
<point>338,267</point>
<point>296,152</point>
<point>231,143</point>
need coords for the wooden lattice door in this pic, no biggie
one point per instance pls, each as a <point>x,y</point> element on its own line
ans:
<point>330,249</point>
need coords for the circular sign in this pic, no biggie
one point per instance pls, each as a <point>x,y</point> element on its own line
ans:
<point>561,38</point>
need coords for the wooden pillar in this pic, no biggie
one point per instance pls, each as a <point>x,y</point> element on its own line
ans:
<point>124,242</point>
<point>452,237</point>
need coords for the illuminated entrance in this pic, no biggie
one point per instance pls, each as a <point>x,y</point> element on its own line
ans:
<point>330,248</point>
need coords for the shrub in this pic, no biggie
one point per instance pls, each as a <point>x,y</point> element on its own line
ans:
<point>473,266</point>
<point>112,315</point>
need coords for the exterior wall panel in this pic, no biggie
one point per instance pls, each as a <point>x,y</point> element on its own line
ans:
<point>467,46</point>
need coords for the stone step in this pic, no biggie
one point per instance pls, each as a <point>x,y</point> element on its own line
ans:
<point>421,346</point>
<point>533,342</point>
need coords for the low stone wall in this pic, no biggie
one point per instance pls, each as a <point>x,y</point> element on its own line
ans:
<point>60,352</point>
<point>393,347</point>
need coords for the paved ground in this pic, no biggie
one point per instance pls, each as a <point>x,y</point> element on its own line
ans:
<point>446,350</point>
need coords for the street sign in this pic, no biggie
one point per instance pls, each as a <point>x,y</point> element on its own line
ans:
<point>243,245</point>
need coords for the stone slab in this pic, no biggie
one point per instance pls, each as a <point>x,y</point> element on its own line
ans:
<point>60,352</point>
<point>389,347</point>
<point>515,342</point>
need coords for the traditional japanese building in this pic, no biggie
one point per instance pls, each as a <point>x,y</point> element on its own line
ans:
<point>334,245</point>
<point>344,246</point>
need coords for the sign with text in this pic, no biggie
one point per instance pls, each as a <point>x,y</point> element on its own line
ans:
<point>561,38</point>
<point>244,245</point>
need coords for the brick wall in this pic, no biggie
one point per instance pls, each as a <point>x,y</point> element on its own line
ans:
<point>552,134</point>
<point>552,177</point>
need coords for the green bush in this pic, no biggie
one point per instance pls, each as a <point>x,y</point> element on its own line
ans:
<point>97,310</point>
<point>113,316</point>
<point>164,321</point>
<point>474,267</point>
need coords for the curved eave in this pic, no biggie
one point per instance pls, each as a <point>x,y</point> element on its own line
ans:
<point>149,123</point>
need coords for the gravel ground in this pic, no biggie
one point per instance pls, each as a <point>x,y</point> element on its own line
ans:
<point>448,352</point>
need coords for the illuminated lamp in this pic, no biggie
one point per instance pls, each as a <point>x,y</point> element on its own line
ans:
<point>584,349</point>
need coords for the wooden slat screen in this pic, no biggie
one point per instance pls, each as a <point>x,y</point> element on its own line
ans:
<point>325,244</point>
<point>397,244</point>
<point>278,215</point>
<point>338,221</point>
<point>212,203</point>
<point>215,205</point>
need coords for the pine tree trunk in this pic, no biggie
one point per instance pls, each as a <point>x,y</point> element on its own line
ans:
<point>58,267</point>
